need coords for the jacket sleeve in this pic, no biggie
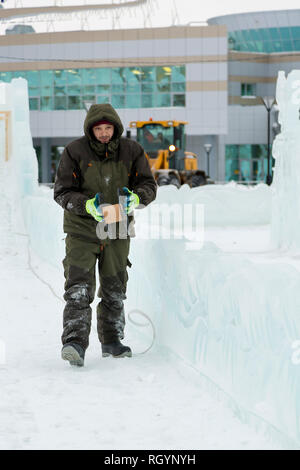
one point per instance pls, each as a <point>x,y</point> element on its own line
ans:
<point>67,185</point>
<point>142,181</point>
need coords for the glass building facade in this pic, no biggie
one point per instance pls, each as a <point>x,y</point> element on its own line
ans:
<point>246,163</point>
<point>123,87</point>
<point>281,39</point>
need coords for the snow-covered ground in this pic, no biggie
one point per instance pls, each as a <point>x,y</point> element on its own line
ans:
<point>149,401</point>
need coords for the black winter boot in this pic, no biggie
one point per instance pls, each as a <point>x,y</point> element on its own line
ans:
<point>115,349</point>
<point>73,353</point>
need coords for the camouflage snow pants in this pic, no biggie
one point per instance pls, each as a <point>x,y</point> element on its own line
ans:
<point>80,285</point>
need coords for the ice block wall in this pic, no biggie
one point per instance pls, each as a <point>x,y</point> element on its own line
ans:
<point>18,163</point>
<point>25,207</point>
<point>235,321</point>
<point>285,226</point>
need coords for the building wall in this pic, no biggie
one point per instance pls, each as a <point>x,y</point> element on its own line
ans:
<point>202,49</point>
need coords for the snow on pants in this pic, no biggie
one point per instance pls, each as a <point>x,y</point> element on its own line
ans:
<point>80,285</point>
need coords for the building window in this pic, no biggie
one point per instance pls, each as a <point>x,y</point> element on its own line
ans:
<point>123,87</point>
<point>248,89</point>
<point>247,163</point>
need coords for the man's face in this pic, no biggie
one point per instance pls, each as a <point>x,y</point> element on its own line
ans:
<point>104,132</point>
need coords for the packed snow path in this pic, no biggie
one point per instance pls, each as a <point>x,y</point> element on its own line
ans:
<point>150,401</point>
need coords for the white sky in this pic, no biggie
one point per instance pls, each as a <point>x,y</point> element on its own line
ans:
<point>188,10</point>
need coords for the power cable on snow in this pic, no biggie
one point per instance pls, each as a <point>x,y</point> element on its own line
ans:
<point>135,311</point>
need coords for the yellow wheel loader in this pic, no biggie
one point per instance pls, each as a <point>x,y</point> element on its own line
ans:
<point>164,145</point>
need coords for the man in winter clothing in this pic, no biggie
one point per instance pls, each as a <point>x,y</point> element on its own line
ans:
<point>95,170</point>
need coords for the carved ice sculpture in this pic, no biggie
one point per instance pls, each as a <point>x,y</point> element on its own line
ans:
<point>285,225</point>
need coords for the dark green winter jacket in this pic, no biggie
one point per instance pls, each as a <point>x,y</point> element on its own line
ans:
<point>88,167</point>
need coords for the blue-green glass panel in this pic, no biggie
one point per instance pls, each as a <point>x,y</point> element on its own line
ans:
<point>274,32</point>
<point>265,34</point>
<point>103,76</point>
<point>33,78</point>
<point>118,88</point>
<point>162,100</point>
<point>259,46</point>
<point>133,87</point>
<point>231,166</point>
<point>178,73</point>
<point>252,46</point>
<point>102,99</point>
<point>285,33</point>
<point>250,89</point>
<point>231,43</point>
<point>163,75</point>
<point>34,91</point>
<point>245,47</point>
<point>178,100</point>
<point>74,102</point>
<point>148,87</point>
<point>46,91</point>
<point>20,74</point>
<point>277,46</point>
<point>89,98</point>
<point>268,46</point>
<point>74,90</point>
<point>178,86</point>
<point>118,101</point>
<point>148,74</point>
<point>89,76</point>
<point>163,87</point>
<point>73,76</point>
<point>33,104</point>
<point>132,74</point>
<point>295,31</point>
<point>245,151</point>
<point>46,82</point>
<point>133,101</point>
<point>256,36</point>
<point>46,78</point>
<point>297,44</point>
<point>287,45</point>
<point>246,35</point>
<point>232,152</point>
<point>60,102</point>
<point>103,88</point>
<point>5,76</point>
<point>117,76</point>
<point>88,89</point>
<point>60,77</point>
<point>60,90</point>
<point>239,36</point>
<point>46,103</point>
<point>245,170</point>
<point>148,100</point>
<point>258,150</point>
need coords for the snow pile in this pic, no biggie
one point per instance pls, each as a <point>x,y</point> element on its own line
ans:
<point>286,150</point>
<point>229,204</point>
